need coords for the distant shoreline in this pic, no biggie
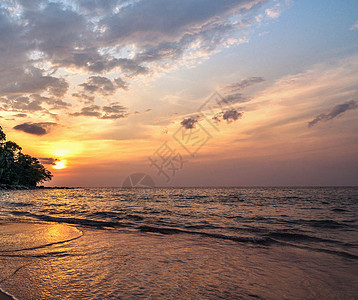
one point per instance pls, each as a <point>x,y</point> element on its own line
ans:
<point>23,187</point>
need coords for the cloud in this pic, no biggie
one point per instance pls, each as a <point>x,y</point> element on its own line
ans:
<point>103,85</point>
<point>45,44</point>
<point>32,103</point>
<point>96,7</point>
<point>235,98</point>
<point>114,116</point>
<point>22,103</point>
<point>233,91</point>
<point>103,64</point>
<point>190,122</point>
<point>354,26</point>
<point>334,112</point>
<point>88,35</point>
<point>69,38</point>
<point>283,106</point>
<point>48,160</point>
<point>113,111</point>
<point>275,11</point>
<point>20,115</point>
<point>121,84</point>
<point>115,108</point>
<point>164,20</point>
<point>244,83</point>
<point>35,128</point>
<point>231,115</point>
<point>194,44</point>
<point>89,111</point>
<point>84,97</point>
<point>32,80</point>
<point>54,103</point>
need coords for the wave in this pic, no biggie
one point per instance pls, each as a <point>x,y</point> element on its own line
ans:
<point>256,235</point>
<point>326,224</point>
<point>242,239</point>
<point>299,237</point>
<point>116,216</point>
<point>194,197</point>
<point>322,224</point>
<point>75,221</point>
<point>339,210</point>
<point>41,255</point>
<point>324,250</point>
<point>16,204</point>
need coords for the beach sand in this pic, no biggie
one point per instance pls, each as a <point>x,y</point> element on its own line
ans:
<point>108,264</point>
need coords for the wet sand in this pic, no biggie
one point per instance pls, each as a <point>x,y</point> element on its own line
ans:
<point>52,261</point>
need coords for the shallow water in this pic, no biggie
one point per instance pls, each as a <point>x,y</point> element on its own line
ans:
<point>210,243</point>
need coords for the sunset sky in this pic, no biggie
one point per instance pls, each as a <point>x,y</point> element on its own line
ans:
<point>191,92</point>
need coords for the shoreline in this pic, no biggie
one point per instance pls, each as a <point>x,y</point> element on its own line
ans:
<point>10,187</point>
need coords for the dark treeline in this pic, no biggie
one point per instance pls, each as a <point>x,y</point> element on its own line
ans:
<point>17,168</point>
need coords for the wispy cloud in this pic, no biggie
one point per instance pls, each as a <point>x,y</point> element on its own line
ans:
<point>274,12</point>
<point>20,115</point>
<point>334,112</point>
<point>283,108</point>
<point>88,111</point>
<point>236,98</point>
<point>354,26</point>
<point>113,111</point>
<point>243,83</point>
<point>233,92</point>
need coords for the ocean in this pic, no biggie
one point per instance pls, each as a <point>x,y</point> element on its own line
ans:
<point>180,243</point>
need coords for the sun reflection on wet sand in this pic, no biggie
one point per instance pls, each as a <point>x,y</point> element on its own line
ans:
<point>113,263</point>
<point>18,236</point>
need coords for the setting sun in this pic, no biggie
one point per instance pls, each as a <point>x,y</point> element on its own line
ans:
<point>61,164</point>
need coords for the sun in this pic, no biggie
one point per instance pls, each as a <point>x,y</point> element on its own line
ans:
<point>60,164</point>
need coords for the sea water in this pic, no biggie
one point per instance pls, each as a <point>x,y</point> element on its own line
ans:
<point>180,243</point>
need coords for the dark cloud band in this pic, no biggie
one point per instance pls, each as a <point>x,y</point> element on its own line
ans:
<point>35,128</point>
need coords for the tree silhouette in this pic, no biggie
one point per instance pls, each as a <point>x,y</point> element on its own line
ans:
<point>17,168</point>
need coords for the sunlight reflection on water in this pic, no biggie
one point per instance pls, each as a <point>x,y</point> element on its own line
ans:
<point>179,243</point>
